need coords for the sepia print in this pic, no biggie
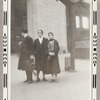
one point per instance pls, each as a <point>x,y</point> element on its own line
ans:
<point>50,50</point>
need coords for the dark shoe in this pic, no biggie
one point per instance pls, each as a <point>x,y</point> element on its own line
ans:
<point>44,79</point>
<point>52,81</point>
<point>26,81</point>
<point>38,80</point>
<point>30,82</point>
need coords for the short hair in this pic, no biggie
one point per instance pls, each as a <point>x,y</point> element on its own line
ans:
<point>51,33</point>
<point>40,30</point>
<point>24,31</point>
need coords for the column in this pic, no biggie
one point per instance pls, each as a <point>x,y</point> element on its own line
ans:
<point>32,17</point>
<point>70,37</point>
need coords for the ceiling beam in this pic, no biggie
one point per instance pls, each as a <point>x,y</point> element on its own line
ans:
<point>66,2</point>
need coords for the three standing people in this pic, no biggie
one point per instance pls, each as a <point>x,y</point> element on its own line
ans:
<point>46,56</point>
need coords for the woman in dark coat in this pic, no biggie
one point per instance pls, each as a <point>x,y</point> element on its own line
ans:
<point>52,62</point>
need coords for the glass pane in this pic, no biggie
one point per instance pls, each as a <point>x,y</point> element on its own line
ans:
<point>87,1</point>
<point>85,22</point>
<point>77,22</point>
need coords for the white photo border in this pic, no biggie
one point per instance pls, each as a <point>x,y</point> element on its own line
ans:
<point>7,49</point>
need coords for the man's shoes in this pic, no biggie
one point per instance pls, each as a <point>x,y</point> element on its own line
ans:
<point>30,82</point>
<point>26,81</point>
<point>44,79</point>
<point>38,80</point>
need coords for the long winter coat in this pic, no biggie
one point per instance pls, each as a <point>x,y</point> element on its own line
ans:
<point>52,62</point>
<point>39,52</point>
<point>25,52</point>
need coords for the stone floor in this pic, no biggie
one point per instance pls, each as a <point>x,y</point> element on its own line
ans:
<point>71,86</point>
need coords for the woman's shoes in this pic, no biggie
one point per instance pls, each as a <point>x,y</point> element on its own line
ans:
<point>56,81</point>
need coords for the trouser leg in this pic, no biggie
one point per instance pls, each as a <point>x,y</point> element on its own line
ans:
<point>56,80</point>
<point>30,76</point>
<point>27,79</point>
<point>44,79</point>
<point>38,74</point>
<point>56,76</point>
<point>43,74</point>
<point>52,76</point>
<point>38,79</point>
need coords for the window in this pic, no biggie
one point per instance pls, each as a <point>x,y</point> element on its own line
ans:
<point>77,22</point>
<point>87,1</point>
<point>85,22</point>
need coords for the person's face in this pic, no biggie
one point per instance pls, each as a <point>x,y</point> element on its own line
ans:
<point>50,36</point>
<point>40,34</point>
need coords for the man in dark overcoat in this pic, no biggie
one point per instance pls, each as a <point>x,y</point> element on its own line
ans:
<point>25,54</point>
<point>39,52</point>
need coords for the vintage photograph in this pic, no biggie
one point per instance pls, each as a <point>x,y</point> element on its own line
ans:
<point>50,50</point>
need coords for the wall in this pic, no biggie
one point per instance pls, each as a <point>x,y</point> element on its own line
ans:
<point>18,15</point>
<point>50,16</point>
<point>81,35</point>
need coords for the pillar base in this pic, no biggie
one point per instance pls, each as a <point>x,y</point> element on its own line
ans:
<point>70,69</point>
<point>67,68</point>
